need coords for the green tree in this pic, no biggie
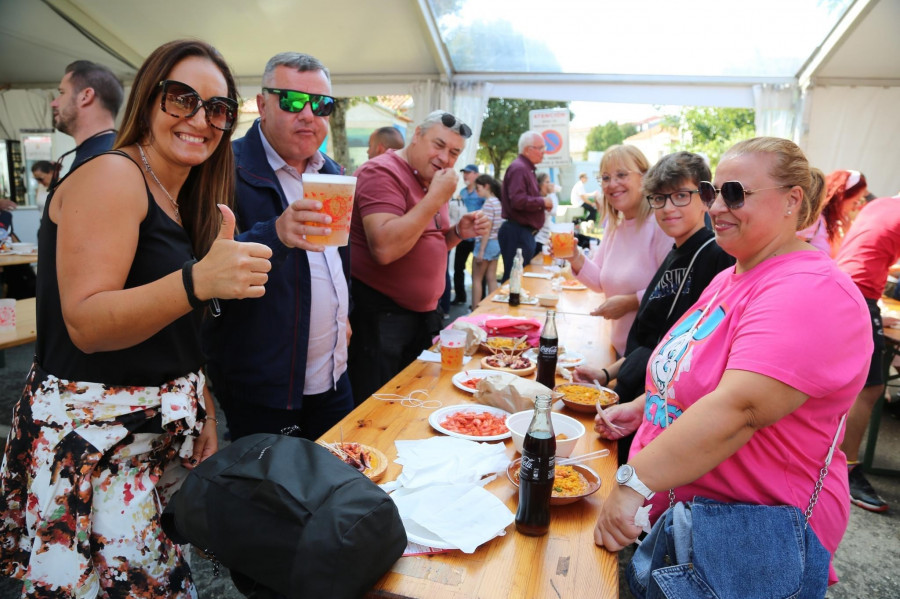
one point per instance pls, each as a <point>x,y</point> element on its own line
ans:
<point>711,131</point>
<point>504,121</point>
<point>338,124</point>
<point>603,136</point>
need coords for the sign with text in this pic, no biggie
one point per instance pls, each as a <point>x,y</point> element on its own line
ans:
<point>553,125</point>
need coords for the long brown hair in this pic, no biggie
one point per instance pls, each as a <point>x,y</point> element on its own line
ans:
<point>209,183</point>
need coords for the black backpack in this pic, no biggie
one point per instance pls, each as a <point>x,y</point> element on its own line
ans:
<point>287,514</point>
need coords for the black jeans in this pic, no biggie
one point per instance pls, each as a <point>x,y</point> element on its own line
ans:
<point>386,338</point>
<point>511,236</point>
<point>463,251</point>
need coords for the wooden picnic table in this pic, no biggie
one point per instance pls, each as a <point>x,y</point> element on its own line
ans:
<point>11,259</point>
<point>563,563</point>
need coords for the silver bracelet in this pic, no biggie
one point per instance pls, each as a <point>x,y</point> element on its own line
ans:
<point>456,230</point>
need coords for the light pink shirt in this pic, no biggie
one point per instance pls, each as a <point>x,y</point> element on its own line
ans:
<point>797,319</point>
<point>624,264</point>
<point>326,355</point>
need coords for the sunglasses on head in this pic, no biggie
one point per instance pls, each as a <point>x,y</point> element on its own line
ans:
<point>291,100</point>
<point>733,193</point>
<point>182,101</point>
<point>454,124</point>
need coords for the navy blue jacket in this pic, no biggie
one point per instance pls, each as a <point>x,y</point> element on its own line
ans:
<point>257,348</point>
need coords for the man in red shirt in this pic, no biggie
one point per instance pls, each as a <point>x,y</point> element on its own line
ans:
<point>522,204</point>
<point>400,235</point>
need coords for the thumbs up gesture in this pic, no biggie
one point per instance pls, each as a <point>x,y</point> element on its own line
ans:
<point>232,269</point>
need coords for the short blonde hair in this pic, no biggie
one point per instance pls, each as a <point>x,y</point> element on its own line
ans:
<point>632,159</point>
<point>790,167</point>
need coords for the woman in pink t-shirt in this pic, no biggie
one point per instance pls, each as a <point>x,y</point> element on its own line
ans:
<point>745,393</point>
<point>633,245</point>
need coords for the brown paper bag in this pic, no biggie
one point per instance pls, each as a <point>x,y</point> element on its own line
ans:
<point>515,395</point>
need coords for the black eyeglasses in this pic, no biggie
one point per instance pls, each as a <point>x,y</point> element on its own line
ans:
<point>292,100</point>
<point>733,193</point>
<point>679,198</point>
<point>454,124</point>
<point>182,101</point>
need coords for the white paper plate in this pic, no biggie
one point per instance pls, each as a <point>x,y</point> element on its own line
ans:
<point>465,375</point>
<point>439,416</point>
<point>568,359</point>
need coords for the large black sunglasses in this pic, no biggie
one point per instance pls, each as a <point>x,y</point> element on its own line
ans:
<point>679,198</point>
<point>733,193</point>
<point>454,124</point>
<point>182,101</point>
<point>291,100</point>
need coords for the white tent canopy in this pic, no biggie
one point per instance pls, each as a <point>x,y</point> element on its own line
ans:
<point>824,72</point>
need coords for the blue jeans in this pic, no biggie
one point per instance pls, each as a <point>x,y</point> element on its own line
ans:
<point>722,550</point>
<point>511,236</point>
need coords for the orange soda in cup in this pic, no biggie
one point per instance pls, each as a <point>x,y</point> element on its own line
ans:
<point>562,240</point>
<point>546,255</point>
<point>335,192</point>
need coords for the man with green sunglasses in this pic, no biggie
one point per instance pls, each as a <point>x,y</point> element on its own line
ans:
<point>281,360</point>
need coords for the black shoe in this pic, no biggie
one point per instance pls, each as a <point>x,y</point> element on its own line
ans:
<point>863,494</point>
<point>458,302</point>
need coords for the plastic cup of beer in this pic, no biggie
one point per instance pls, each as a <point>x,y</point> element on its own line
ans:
<point>453,347</point>
<point>335,192</point>
<point>546,255</point>
<point>562,240</point>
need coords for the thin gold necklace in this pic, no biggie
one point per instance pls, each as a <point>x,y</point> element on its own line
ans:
<point>165,191</point>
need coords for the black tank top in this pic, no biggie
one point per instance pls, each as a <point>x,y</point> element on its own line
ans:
<point>163,247</point>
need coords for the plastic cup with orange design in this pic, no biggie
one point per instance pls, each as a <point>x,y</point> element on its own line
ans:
<point>562,240</point>
<point>546,256</point>
<point>453,346</point>
<point>335,192</point>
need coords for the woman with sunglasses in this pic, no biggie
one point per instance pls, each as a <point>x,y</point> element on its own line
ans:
<point>115,405</point>
<point>633,245</point>
<point>746,393</point>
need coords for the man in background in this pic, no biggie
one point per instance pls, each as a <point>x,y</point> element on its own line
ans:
<point>472,202</point>
<point>588,201</point>
<point>281,360</point>
<point>89,100</point>
<point>384,139</point>
<point>400,234</point>
<point>522,203</point>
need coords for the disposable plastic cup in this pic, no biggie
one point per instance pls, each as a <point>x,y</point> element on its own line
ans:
<point>453,346</point>
<point>562,240</point>
<point>546,256</point>
<point>7,315</point>
<point>336,194</point>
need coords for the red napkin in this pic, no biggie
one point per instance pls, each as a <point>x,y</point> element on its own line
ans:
<point>499,325</point>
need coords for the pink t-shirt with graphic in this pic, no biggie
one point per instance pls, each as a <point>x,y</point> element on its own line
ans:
<point>795,318</point>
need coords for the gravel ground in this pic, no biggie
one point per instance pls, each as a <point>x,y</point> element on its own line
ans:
<point>866,560</point>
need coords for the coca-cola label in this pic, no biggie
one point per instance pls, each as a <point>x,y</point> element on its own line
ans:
<point>549,351</point>
<point>535,469</point>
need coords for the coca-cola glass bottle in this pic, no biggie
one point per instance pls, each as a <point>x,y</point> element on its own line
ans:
<point>547,352</point>
<point>537,471</point>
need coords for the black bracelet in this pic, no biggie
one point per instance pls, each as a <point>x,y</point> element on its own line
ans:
<point>606,372</point>
<point>187,278</point>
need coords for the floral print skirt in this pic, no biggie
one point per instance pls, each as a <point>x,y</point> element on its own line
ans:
<point>86,474</point>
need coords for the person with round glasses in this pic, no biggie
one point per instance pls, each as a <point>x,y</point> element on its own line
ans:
<point>134,244</point>
<point>746,394</point>
<point>633,245</point>
<point>670,188</point>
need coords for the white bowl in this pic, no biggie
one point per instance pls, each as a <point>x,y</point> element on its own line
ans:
<point>518,425</point>
<point>548,300</point>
